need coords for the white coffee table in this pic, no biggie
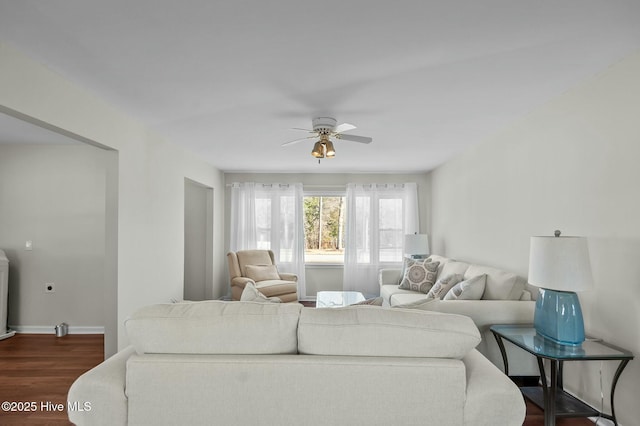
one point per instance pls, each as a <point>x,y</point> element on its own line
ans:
<point>337,299</point>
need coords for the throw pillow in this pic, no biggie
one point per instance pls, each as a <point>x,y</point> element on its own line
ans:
<point>443,285</point>
<point>251,294</point>
<point>471,289</point>
<point>405,265</point>
<point>376,301</point>
<point>419,275</point>
<point>261,272</point>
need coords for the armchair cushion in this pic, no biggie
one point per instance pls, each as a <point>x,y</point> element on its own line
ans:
<point>251,294</point>
<point>262,272</point>
<point>272,288</point>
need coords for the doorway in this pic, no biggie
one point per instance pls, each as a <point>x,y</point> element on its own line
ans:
<point>198,241</point>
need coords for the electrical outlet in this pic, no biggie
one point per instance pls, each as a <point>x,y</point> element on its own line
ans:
<point>49,288</point>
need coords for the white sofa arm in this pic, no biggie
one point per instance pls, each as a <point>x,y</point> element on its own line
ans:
<point>492,398</point>
<point>389,276</point>
<point>98,396</point>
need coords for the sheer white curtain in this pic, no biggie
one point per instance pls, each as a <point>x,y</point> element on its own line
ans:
<point>270,217</point>
<point>378,217</point>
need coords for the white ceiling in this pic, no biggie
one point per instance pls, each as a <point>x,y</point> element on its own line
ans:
<point>228,79</point>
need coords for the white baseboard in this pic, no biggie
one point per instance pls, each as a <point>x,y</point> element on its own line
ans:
<point>49,329</point>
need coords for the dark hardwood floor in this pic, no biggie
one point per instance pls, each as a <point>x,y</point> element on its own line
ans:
<point>40,368</point>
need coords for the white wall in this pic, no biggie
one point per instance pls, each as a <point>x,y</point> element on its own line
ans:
<point>150,179</point>
<point>571,165</point>
<point>319,278</point>
<point>53,195</point>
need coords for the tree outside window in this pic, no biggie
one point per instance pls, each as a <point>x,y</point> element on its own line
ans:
<point>324,229</point>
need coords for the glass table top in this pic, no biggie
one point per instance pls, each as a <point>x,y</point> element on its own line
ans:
<point>527,338</point>
<point>338,299</point>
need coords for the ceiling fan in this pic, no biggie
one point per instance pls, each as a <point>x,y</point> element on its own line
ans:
<point>325,128</point>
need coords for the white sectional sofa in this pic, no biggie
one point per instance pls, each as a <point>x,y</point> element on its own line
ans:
<point>248,363</point>
<point>507,299</point>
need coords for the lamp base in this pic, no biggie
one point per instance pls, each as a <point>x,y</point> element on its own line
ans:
<point>417,256</point>
<point>558,317</point>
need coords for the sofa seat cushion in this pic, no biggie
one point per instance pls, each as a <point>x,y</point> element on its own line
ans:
<point>215,327</point>
<point>388,292</point>
<point>405,298</point>
<point>484,313</point>
<point>376,331</point>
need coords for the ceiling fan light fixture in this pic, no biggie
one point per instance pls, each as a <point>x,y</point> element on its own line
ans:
<point>318,150</point>
<point>330,151</point>
<point>325,128</point>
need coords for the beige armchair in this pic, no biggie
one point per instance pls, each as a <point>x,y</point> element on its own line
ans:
<point>258,267</point>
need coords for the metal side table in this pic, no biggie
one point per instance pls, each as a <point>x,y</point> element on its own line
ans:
<point>551,397</point>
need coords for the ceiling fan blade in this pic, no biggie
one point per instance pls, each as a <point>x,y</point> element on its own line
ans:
<point>354,138</point>
<point>344,127</point>
<point>297,140</point>
<point>304,130</point>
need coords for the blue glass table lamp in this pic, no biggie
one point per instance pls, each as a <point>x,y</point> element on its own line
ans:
<point>560,266</point>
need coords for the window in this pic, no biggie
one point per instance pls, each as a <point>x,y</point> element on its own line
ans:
<point>275,212</point>
<point>263,223</point>
<point>270,216</point>
<point>324,229</point>
<point>390,230</point>
<point>377,218</point>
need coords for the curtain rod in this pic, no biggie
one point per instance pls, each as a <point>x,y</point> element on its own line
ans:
<point>318,186</point>
<point>343,186</point>
<point>281,185</point>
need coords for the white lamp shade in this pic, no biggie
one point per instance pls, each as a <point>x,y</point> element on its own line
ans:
<point>560,263</point>
<point>416,244</point>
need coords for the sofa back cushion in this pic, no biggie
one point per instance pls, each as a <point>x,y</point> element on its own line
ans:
<point>500,285</point>
<point>215,327</point>
<point>374,331</point>
<point>454,268</point>
<point>441,260</point>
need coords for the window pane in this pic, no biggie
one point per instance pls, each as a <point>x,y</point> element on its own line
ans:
<point>287,211</point>
<point>391,234</point>
<point>263,223</point>
<point>363,229</point>
<point>324,229</point>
